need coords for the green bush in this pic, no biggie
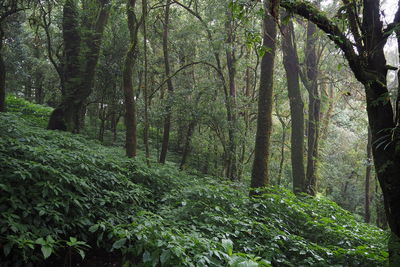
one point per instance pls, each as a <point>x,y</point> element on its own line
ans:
<point>57,185</point>
<point>36,115</point>
<point>61,194</point>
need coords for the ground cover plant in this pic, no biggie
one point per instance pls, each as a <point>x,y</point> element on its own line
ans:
<point>67,200</point>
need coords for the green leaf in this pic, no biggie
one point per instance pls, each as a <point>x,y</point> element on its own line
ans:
<point>40,241</point>
<point>146,256</point>
<point>93,228</point>
<point>82,253</point>
<point>119,243</point>
<point>7,248</point>
<point>165,255</point>
<point>46,250</point>
<point>227,244</point>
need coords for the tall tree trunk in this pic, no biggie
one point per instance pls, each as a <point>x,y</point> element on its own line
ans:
<point>366,59</point>
<point>260,171</point>
<point>2,82</point>
<point>2,73</point>
<point>129,94</point>
<point>313,109</point>
<point>246,119</point>
<point>145,89</point>
<point>291,64</point>
<point>367,213</point>
<point>231,99</point>
<point>81,56</point>
<point>167,119</point>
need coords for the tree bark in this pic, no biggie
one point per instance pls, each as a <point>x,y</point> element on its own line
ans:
<point>367,61</point>
<point>129,94</point>
<point>167,119</point>
<point>313,109</point>
<point>367,213</point>
<point>2,80</point>
<point>232,172</point>
<point>291,64</point>
<point>260,171</point>
<point>79,66</point>
<point>187,148</point>
<point>145,89</point>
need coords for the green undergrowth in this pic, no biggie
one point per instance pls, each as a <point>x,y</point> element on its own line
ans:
<point>66,200</point>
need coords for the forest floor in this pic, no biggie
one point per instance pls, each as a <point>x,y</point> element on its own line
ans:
<point>67,200</point>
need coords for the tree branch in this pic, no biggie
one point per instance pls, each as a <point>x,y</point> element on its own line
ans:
<point>310,12</point>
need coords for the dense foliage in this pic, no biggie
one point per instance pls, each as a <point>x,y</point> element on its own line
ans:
<point>62,195</point>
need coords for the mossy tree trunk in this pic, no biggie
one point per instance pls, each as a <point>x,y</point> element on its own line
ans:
<point>364,52</point>
<point>167,118</point>
<point>291,64</point>
<point>2,76</point>
<point>232,171</point>
<point>313,109</point>
<point>127,82</point>
<point>81,53</point>
<point>367,212</point>
<point>260,170</point>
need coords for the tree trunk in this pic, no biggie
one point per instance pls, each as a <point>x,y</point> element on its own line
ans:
<point>282,160</point>
<point>366,59</point>
<point>102,117</point>
<point>231,99</point>
<point>313,109</point>
<point>167,119</point>
<point>28,89</point>
<point>129,94</point>
<point>81,56</point>
<point>291,64</point>
<point>2,82</point>
<point>328,114</point>
<point>39,96</point>
<point>186,149</point>
<point>2,73</point>
<point>260,171</point>
<point>367,213</point>
<point>145,89</point>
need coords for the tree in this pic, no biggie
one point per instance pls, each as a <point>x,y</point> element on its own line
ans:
<point>364,53</point>
<point>129,96</point>
<point>260,171</point>
<point>291,64</point>
<point>8,8</point>
<point>367,216</point>
<point>310,80</point>
<point>167,118</point>
<point>81,52</point>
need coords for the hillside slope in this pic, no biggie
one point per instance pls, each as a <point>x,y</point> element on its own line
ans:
<point>63,197</point>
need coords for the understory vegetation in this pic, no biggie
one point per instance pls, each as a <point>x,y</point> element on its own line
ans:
<point>69,200</point>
